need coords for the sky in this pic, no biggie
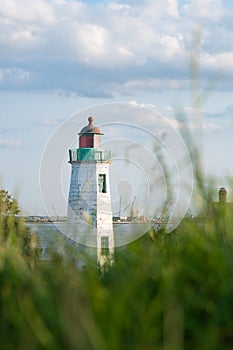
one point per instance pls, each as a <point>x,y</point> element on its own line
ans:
<point>64,58</point>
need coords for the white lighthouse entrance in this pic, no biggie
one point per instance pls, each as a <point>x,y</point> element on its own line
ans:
<point>89,205</point>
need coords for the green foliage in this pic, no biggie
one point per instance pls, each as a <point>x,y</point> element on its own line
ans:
<point>165,291</point>
<point>9,205</point>
<point>13,231</point>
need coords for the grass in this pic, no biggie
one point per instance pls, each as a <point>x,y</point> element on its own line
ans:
<point>164,291</point>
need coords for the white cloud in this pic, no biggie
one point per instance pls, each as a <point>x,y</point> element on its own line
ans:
<point>92,41</point>
<point>161,8</point>
<point>221,62</point>
<point>27,11</point>
<point>194,120</point>
<point>120,7</point>
<point>48,122</point>
<point>94,35</point>
<point>9,143</point>
<point>171,47</point>
<point>205,126</point>
<point>124,51</point>
<point>136,44</point>
<point>206,9</point>
<point>14,76</point>
<point>150,8</point>
<point>164,83</point>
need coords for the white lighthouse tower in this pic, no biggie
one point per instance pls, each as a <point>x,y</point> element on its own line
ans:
<point>89,206</point>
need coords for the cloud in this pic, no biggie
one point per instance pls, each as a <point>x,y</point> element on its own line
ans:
<point>190,117</point>
<point>204,9</point>
<point>27,11</point>
<point>93,48</point>
<point>14,76</point>
<point>149,8</point>
<point>122,8</point>
<point>162,8</point>
<point>222,62</point>
<point>156,84</point>
<point>9,143</point>
<point>92,42</point>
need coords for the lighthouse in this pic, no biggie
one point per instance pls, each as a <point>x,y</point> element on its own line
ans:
<point>89,204</point>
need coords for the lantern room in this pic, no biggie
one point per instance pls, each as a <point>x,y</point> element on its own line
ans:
<point>89,145</point>
<point>90,135</point>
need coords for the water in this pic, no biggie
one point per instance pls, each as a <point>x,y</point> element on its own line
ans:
<point>52,240</point>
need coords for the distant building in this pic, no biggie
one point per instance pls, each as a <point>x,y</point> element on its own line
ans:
<point>222,195</point>
<point>222,207</point>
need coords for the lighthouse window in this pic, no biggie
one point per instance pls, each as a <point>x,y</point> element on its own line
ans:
<point>102,183</point>
<point>105,245</point>
<point>86,141</point>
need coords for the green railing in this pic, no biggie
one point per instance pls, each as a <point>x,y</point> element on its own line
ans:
<point>82,154</point>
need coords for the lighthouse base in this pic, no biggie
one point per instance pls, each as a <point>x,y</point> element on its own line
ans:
<point>89,211</point>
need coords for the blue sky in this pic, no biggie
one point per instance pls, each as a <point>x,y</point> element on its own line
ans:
<point>59,57</point>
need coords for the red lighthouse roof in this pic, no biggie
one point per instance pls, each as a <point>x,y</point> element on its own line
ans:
<point>90,128</point>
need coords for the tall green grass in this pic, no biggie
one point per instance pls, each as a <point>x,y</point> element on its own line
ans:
<point>164,291</point>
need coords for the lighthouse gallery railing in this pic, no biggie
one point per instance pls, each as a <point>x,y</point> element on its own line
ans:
<point>82,154</point>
